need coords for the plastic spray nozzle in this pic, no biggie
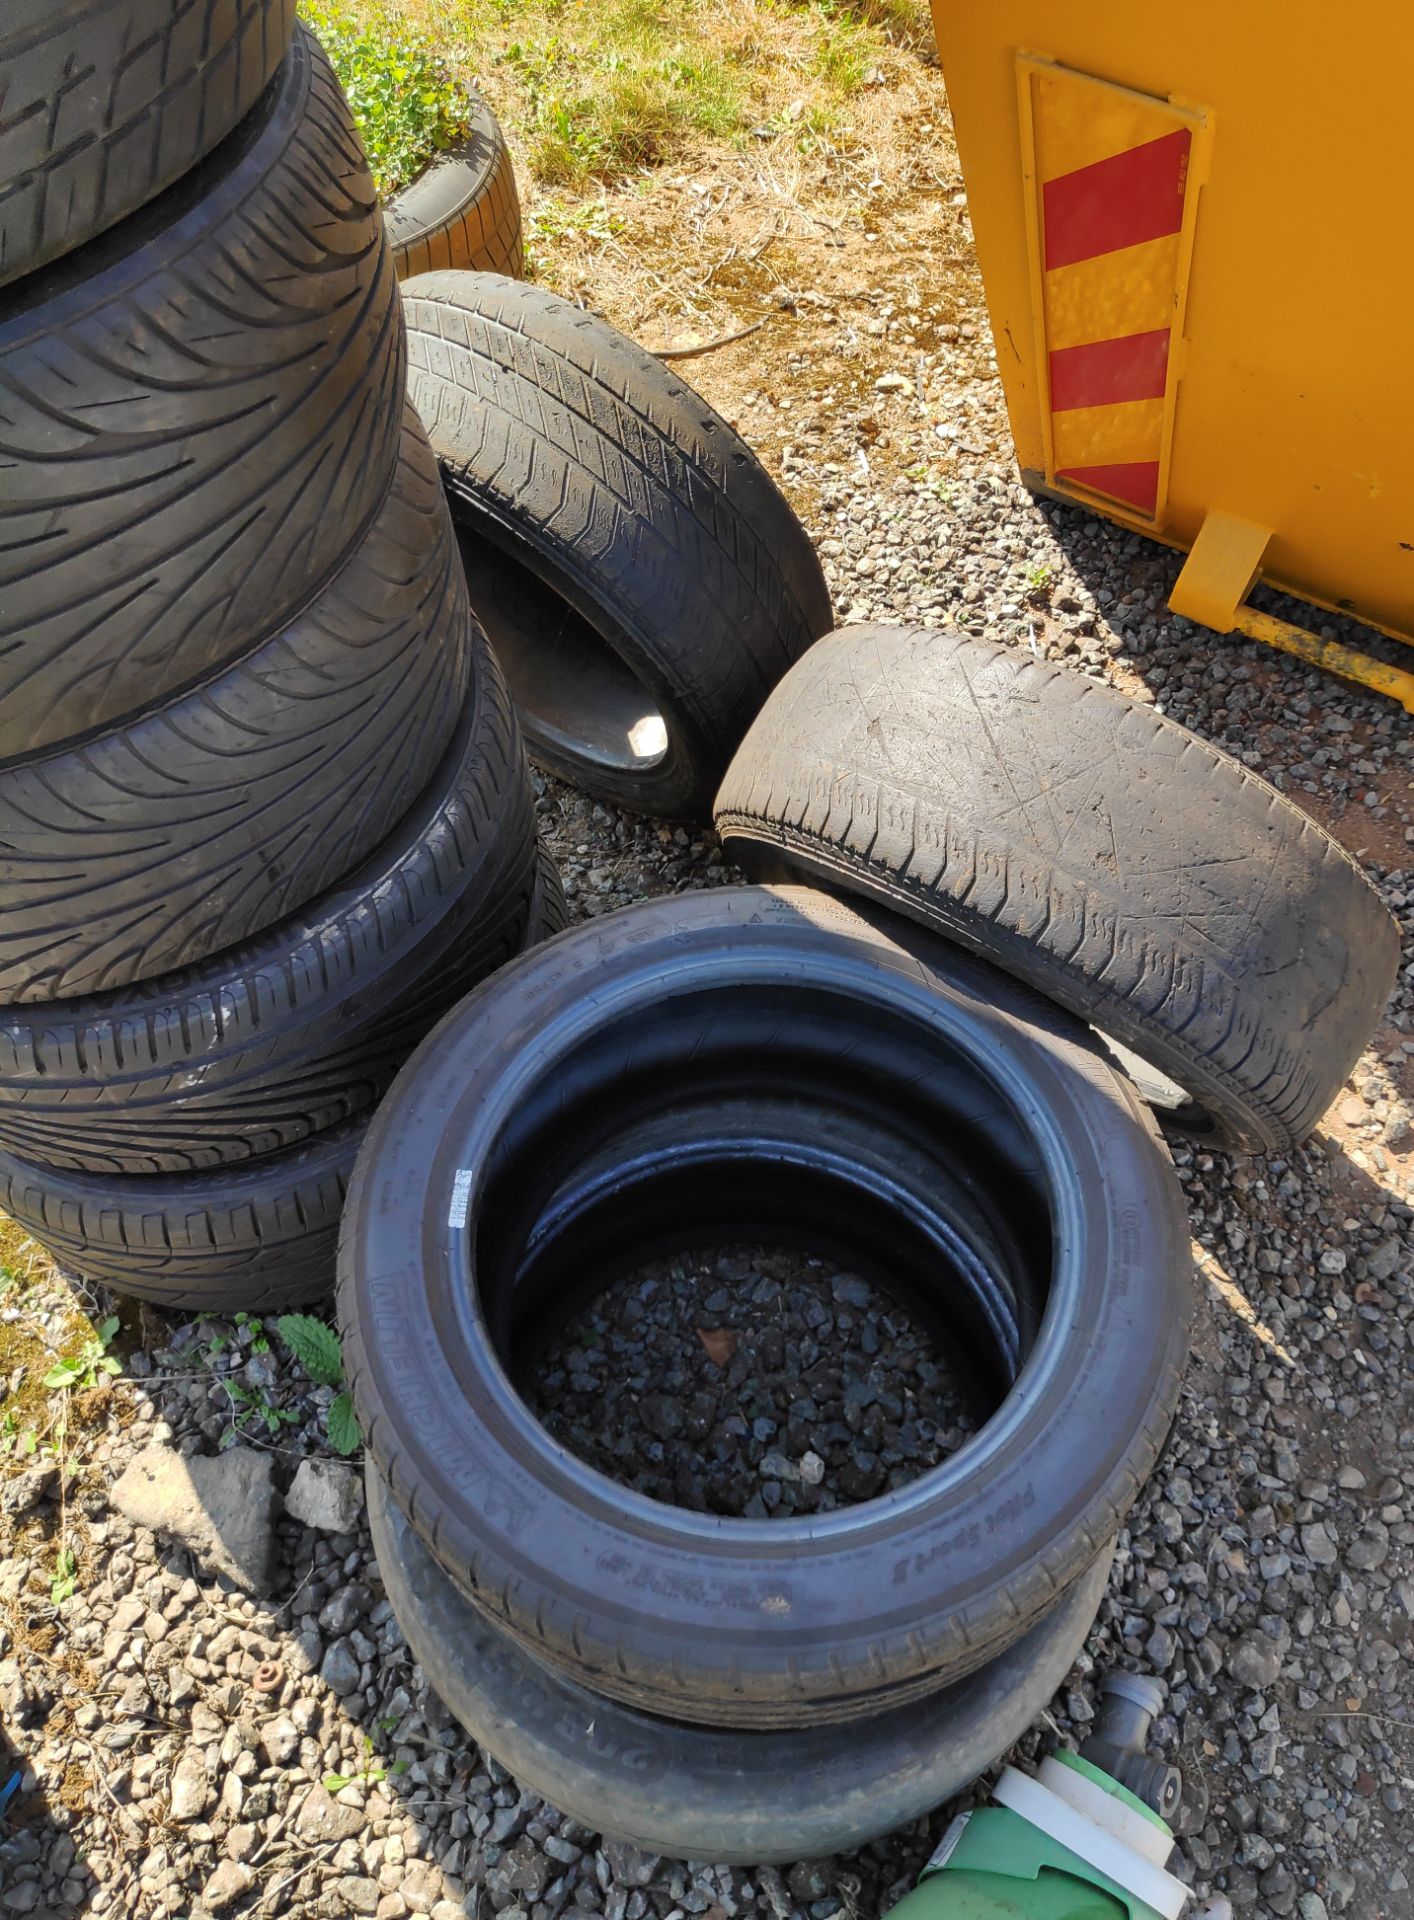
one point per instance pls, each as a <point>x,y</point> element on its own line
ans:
<point>1118,1743</point>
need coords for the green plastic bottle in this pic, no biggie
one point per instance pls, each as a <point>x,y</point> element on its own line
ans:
<point>1075,1842</point>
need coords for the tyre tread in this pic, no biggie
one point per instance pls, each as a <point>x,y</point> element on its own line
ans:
<point>201,420</point>
<point>226,808</point>
<point>556,433</point>
<point>108,104</point>
<point>1233,1023</point>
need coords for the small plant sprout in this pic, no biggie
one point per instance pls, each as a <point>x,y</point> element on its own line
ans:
<point>84,1369</point>
<point>320,1352</point>
<point>255,1328</point>
<point>256,1406</point>
<point>22,1441</point>
<point>61,1587</point>
<point>1037,580</point>
<point>83,1372</point>
<point>368,1775</point>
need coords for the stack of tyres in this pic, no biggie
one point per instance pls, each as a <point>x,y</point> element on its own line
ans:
<point>748,1066</point>
<point>917,1083</point>
<point>263,805</point>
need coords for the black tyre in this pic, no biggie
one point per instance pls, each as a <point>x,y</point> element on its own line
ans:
<point>659,1010</point>
<point>106,102</point>
<point>700,1793</point>
<point>305,1024</point>
<point>642,580</point>
<point>1107,856</point>
<point>549,911</point>
<point>463,211</point>
<point>242,1238</point>
<point>200,420</point>
<point>233,804</point>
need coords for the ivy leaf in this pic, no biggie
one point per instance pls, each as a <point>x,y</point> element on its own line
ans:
<point>315,1346</point>
<point>345,1434</point>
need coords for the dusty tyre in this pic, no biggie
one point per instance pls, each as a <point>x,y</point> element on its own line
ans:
<point>641,578</point>
<point>700,1793</point>
<point>233,804</point>
<point>463,211</point>
<point>304,1025</point>
<point>657,1010</point>
<point>260,1234</point>
<point>1116,862</point>
<point>200,420</point>
<point>106,102</point>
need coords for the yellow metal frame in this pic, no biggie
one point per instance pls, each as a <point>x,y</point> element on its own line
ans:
<point>1288,409</point>
<point>1223,565</point>
<point>1345,661</point>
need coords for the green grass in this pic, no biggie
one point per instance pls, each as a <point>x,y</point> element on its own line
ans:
<point>594,91</point>
<point>599,114</point>
<point>407,104</point>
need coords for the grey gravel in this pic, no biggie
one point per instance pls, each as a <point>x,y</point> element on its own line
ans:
<point>231,1880</point>
<point>24,1489</point>
<point>825,1393</point>
<point>1255,1661</point>
<point>191,1791</point>
<point>327,1494</point>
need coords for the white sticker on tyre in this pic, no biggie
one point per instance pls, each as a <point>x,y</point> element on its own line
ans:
<point>461,1191</point>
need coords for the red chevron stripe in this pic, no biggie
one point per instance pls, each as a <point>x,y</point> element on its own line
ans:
<point>1131,197</point>
<point>1134,481</point>
<point>1132,367</point>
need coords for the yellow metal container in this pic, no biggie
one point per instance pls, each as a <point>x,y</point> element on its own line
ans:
<point>1193,224</point>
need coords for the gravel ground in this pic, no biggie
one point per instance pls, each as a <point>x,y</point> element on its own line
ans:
<point>753,1382</point>
<point>182,1743</point>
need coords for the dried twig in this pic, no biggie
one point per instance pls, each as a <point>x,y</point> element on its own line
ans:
<point>315,1857</point>
<point>707,346</point>
<point>102,1779</point>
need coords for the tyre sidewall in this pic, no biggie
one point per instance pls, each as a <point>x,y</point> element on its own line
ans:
<point>699,1792</point>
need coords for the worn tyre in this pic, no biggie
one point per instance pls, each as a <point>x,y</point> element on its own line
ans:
<point>463,211</point>
<point>230,806</point>
<point>642,579</point>
<point>259,1234</point>
<point>783,994</point>
<point>703,1793</point>
<point>103,103</point>
<point>305,1024</point>
<point>200,419</point>
<point>1107,856</point>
